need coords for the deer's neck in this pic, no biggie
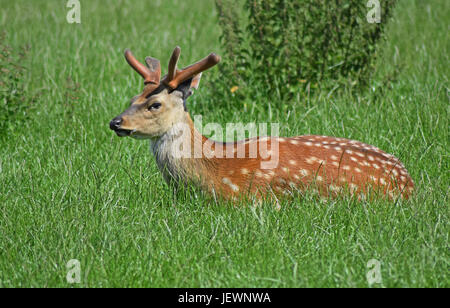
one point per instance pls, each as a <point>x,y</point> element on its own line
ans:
<point>179,154</point>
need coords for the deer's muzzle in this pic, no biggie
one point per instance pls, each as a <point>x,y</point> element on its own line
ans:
<point>115,125</point>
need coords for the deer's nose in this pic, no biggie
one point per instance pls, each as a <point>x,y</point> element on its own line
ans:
<point>115,123</point>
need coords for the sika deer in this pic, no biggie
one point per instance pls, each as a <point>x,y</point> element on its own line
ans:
<point>329,165</point>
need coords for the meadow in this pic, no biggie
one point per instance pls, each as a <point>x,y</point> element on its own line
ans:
<point>71,189</point>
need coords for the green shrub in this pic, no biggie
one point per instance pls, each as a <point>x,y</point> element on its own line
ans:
<point>290,45</point>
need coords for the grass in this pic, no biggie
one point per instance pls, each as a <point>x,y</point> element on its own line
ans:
<point>70,189</point>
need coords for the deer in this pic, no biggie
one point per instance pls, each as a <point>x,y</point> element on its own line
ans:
<point>328,166</point>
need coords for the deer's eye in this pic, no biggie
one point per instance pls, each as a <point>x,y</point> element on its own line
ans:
<point>154,106</point>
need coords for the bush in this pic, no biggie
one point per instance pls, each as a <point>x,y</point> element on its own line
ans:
<point>290,45</point>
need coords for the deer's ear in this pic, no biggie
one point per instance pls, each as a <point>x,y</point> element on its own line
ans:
<point>196,81</point>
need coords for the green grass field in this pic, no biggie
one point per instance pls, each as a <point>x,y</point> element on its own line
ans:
<point>70,189</point>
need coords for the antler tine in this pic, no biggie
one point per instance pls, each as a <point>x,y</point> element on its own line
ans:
<point>173,64</point>
<point>150,74</point>
<point>190,71</point>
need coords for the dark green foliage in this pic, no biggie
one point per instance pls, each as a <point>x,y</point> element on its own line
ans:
<point>231,34</point>
<point>290,45</point>
<point>14,103</point>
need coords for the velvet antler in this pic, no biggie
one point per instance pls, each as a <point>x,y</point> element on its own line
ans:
<point>175,76</point>
<point>151,73</point>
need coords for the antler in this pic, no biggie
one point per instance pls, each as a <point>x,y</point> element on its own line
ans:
<point>175,76</point>
<point>151,73</point>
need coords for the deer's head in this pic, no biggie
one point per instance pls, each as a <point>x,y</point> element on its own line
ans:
<point>162,104</point>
